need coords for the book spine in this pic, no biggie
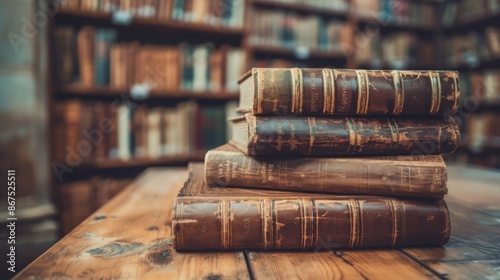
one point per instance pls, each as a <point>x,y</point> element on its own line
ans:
<point>354,92</point>
<point>417,176</point>
<point>344,136</point>
<point>278,224</point>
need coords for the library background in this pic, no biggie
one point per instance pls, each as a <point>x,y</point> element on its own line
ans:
<point>165,74</point>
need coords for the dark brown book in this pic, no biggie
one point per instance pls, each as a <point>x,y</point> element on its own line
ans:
<point>86,55</point>
<point>416,176</point>
<point>344,136</point>
<point>348,92</point>
<point>207,218</point>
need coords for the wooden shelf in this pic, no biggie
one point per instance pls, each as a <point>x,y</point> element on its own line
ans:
<point>387,67</point>
<point>73,91</point>
<point>292,53</point>
<point>398,26</point>
<point>170,26</point>
<point>491,63</point>
<point>142,162</point>
<point>301,8</point>
<point>486,150</point>
<point>478,23</point>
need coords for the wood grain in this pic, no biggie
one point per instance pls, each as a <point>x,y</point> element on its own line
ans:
<point>473,251</point>
<point>130,238</point>
<point>352,264</point>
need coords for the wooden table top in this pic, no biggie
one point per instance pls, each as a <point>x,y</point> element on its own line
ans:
<point>130,238</point>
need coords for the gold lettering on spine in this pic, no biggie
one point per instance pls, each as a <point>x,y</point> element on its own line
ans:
<point>298,91</point>
<point>332,77</point>
<point>326,91</point>
<point>352,136</point>
<point>367,92</point>
<point>457,92</point>
<point>303,223</point>
<point>259,78</point>
<point>394,135</point>
<point>312,133</point>
<point>224,210</point>
<point>267,223</point>
<point>398,89</point>
<point>307,224</point>
<point>355,223</point>
<point>434,77</point>
<point>394,207</point>
<point>362,106</point>
<point>360,91</point>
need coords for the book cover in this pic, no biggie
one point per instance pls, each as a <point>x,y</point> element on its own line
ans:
<point>415,176</point>
<point>206,218</point>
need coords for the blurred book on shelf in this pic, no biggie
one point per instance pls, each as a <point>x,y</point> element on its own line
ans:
<point>228,13</point>
<point>463,11</point>
<point>97,131</point>
<point>396,11</point>
<point>399,50</point>
<point>482,133</point>
<point>330,5</point>
<point>288,30</point>
<point>101,61</point>
<point>473,49</point>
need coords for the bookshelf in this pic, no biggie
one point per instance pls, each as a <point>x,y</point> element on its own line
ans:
<point>85,182</point>
<point>110,93</point>
<point>470,35</point>
<point>103,19</point>
<point>337,17</point>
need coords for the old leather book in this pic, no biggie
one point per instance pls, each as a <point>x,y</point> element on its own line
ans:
<point>206,218</point>
<point>344,136</point>
<point>303,91</point>
<point>417,176</point>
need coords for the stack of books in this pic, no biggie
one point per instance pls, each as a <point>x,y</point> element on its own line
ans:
<point>326,158</point>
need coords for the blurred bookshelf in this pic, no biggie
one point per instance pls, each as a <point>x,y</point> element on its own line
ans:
<point>470,43</point>
<point>183,57</point>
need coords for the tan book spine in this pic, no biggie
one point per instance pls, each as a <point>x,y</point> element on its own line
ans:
<point>417,176</point>
<point>242,219</point>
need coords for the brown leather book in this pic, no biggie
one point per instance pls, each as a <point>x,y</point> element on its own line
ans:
<point>206,218</point>
<point>85,42</point>
<point>302,91</point>
<point>344,136</point>
<point>417,176</point>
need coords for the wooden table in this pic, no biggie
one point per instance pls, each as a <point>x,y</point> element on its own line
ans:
<point>130,237</point>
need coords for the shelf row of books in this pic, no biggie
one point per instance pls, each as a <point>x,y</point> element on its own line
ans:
<point>482,132</point>
<point>480,88</point>
<point>463,11</point>
<point>93,57</point>
<point>473,48</point>
<point>412,13</point>
<point>80,199</point>
<point>289,30</point>
<point>92,131</point>
<point>331,5</point>
<point>228,13</point>
<point>399,50</point>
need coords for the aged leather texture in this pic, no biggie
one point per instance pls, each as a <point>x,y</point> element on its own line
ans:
<point>215,218</point>
<point>416,176</point>
<point>346,136</point>
<point>316,91</point>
